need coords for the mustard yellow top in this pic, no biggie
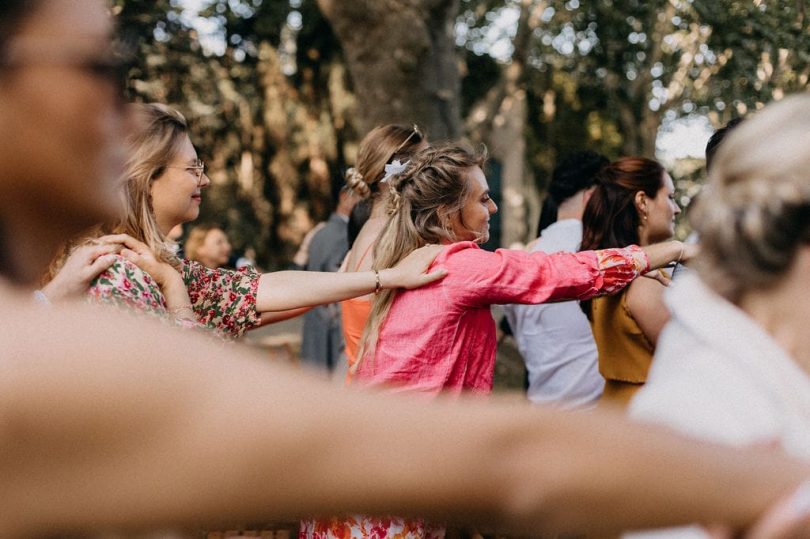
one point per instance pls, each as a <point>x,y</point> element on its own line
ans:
<point>625,354</point>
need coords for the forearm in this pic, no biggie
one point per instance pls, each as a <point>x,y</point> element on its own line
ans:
<point>519,469</point>
<point>662,254</point>
<point>597,473</point>
<point>284,290</point>
<point>271,317</point>
<point>148,427</point>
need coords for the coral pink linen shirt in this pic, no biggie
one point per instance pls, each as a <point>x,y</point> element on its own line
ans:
<point>441,337</point>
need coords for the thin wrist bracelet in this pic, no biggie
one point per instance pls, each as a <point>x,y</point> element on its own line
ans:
<point>377,284</point>
<point>680,255</point>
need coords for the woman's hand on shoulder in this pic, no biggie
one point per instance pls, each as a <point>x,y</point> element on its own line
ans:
<point>82,266</point>
<point>411,270</point>
<point>659,275</point>
<point>142,256</point>
<point>165,275</point>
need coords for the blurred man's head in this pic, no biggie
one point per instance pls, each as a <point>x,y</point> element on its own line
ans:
<point>575,172</point>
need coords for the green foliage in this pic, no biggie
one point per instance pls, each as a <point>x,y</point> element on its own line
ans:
<point>272,109</point>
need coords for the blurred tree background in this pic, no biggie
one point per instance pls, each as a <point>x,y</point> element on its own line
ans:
<point>279,92</point>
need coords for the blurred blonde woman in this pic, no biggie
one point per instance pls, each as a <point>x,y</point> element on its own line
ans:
<point>733,365</point>
<point>165,182</point>
<point>208,245</point>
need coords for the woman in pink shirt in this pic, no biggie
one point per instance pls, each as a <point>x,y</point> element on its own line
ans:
<point>442,337</point>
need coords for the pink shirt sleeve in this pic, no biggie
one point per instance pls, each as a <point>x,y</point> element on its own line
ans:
<point>477,278</point>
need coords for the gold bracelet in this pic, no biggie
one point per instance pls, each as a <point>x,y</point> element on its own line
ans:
<point>377,284</point>
<point>680,255</point>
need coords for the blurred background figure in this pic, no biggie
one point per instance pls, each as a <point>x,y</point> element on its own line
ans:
<point>555,339</point>
<point>301,257</point>
<point>322,335</point>
<point>208,245</point>
<point>244,259</point>
<point>717,138</point>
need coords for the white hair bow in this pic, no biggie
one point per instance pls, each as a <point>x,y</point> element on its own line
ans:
<point>394,168</point>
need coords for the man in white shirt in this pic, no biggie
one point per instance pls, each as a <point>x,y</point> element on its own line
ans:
<point>555,339</point>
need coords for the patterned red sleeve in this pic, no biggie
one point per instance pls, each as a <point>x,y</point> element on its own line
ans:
<point>619,267</point>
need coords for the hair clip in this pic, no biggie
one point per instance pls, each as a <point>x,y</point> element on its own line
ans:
<point>394,168</point>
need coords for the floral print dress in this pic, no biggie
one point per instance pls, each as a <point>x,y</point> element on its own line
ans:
<point>223,300</point>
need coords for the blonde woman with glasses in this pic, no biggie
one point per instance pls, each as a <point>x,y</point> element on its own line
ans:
<point>165,181</point>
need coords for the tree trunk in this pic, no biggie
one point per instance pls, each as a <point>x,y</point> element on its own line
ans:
<point>499,120</point>
<point>401,55</point>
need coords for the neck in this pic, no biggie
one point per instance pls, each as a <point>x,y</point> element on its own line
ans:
<point>776,310</point>
<point>208,263</point>
<point>572,208</point>
<point>164,225</point>
<point>378,208</point>
<point>643,237</point>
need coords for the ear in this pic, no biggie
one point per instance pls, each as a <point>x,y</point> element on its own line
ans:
<point>640,200</point>
<point>447,220</point>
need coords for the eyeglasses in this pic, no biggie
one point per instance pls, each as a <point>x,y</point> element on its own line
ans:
<point>197,169</point>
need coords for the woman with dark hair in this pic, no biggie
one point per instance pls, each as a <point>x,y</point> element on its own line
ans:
<point>633,204</point>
